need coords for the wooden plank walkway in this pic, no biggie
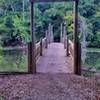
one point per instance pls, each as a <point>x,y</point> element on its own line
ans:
<point>54,60</point>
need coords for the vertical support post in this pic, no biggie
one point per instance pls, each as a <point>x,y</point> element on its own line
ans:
<point>67,46</point>
<point>61,32</point>
<point>49,32</point>
<point>52,39</point>
<point>79,57</point>
<point>46,35</point>
<point>32,62</point>
<point>30,68</point>
<point>64,37</point>
<point>76,41</point>
<point>41,47</point>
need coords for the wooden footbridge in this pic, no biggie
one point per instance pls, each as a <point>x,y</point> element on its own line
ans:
<point>46,56</point>
<point>55,56</point>
<point>54,60</point>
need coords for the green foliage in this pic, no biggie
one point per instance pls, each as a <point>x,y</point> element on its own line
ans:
<point>89,9</point>
<point>13,28</point>
<point>53,13</point>
<point>13,25</point>
<point>21,28</point>
<point>69,20</point>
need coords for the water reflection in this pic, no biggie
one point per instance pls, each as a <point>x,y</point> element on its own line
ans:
<point>13,60</point>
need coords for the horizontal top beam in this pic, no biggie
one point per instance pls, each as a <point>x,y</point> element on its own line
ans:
<point>52,0</point>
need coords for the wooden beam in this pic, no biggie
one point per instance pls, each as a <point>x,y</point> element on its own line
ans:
<point>33,44</point>
<point>52,0</point>
<point>76,41</point>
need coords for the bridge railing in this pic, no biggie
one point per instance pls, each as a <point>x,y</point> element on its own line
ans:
<point>70,49</point>
<point>76,58</point>
<point>40,46</point>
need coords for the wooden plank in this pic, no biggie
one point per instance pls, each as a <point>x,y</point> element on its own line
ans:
<point>52,0</point>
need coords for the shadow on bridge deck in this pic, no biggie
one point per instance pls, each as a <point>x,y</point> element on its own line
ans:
<point>54,60</point>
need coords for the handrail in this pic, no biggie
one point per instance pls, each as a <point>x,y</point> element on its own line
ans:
<point>37,50</point>
<point>71,48</point>
<point>44,42</point>
<point>40,46</point>
<point>71,51</point>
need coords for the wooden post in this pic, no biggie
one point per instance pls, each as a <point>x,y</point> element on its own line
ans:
<point>64,37</point>
<point>51,37</point>
<point>61,32</point>
<point>76,41</point>
<point>79,58</point>
<point>67,46</point>
<point>49,33</point>
<point>41,47</point>
<point>32,68</point>
<point>46,35</point>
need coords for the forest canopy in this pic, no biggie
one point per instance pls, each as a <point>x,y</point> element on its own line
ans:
<point>15,20</point>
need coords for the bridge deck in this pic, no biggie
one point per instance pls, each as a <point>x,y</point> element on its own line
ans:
<point>54,60</point>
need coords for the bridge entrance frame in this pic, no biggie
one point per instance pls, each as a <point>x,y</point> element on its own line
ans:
<point>32,45</point>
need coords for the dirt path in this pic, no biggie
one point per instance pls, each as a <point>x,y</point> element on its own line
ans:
<point>54,82</point>
<point>54,60</point>
<point>49,87</point>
